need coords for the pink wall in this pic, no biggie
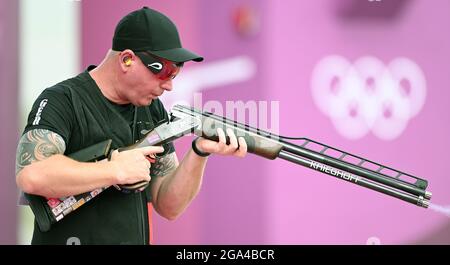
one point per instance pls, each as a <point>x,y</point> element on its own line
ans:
<point>312,208</point>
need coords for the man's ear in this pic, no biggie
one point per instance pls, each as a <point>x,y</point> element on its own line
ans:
<point>126,58</point>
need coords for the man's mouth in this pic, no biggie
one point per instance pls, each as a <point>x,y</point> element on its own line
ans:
<point>157,95</point>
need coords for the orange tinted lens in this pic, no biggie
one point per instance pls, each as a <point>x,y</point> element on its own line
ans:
<point>169,70</point>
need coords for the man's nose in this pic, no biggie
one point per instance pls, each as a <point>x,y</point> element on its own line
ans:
<point>167,84</point>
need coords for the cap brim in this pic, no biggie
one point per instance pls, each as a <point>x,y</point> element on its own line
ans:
<point>178,55</point>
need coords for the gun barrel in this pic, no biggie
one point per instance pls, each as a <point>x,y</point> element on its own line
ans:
<point>357,170</point>
<point>416,200</point>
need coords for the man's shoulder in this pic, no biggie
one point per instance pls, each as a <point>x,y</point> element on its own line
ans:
<point>64,88</point>
<point>66,85</point>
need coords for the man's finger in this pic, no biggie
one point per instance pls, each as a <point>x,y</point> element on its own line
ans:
<point>242,151</point>
<point>233,140</point>
<point>151,150</point>
<point>222,138</point>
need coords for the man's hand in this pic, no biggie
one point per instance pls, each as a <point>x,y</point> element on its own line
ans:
<point>237,147</point>
<point>133,166</point>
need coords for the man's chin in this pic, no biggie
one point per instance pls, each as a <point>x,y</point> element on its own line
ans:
<point>148,102</point>
<point>145,101</point>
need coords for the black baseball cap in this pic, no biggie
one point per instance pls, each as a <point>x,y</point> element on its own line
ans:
<point>151,31</point>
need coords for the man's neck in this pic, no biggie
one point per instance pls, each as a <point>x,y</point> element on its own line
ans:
<point>104,78</point>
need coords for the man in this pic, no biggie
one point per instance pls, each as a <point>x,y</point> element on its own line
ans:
<point>117,100</point>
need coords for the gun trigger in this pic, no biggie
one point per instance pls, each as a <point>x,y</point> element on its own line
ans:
<point>151,158</point>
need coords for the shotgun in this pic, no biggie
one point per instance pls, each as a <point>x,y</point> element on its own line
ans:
<point>328,160</point>
<point>186,120</point>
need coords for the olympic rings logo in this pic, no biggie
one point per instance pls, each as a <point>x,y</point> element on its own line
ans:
<point>367,95</point>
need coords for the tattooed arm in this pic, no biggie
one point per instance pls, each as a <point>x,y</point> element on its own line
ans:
<point>38,145</point>
<point>42,169</point>
<point>175,185</point>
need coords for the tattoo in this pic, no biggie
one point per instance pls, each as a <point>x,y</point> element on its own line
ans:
<point>36,145</point>
<point>163,165</point>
